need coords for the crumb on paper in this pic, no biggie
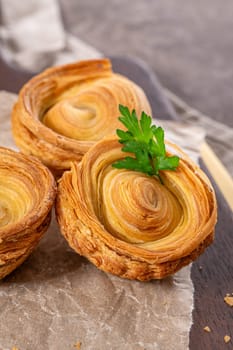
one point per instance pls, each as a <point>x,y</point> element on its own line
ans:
<point>207,329</point>
<point>229,300</point>
<point>78,345</point>
<point>227,338</point>
<point>15,348</point>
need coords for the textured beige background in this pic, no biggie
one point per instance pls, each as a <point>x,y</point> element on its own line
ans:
<point>188,43</point>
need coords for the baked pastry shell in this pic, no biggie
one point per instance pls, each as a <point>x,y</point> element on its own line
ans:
<point>87,234</point>
<point>28,192</point>
<point>58,96</point>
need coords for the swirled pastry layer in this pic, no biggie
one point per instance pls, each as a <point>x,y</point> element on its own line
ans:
<point>63,111</point>
<point>27,193</point>
<point>130,224</point>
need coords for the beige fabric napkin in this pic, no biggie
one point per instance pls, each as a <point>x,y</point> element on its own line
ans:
<point>32,36</point>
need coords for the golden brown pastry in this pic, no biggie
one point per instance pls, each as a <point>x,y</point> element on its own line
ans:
<point>63,111</point>
<point>27,193</point>
<point>128,223</point>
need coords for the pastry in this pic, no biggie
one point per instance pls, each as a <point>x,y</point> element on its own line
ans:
<point>63,111</point>
<point>27,193</point>
<point>128,223</point>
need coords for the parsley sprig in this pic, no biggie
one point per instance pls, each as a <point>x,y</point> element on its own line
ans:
<point>146,141</point>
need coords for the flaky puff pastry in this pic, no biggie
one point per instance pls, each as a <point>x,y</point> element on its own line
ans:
<point>27,193</point>
<point>63,111</point>
<point>130,224</point>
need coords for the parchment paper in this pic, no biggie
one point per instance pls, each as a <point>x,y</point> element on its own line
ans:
<point>57,300</point>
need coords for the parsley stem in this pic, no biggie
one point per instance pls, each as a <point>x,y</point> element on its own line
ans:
<point>160,179</point>
<point>155,170</point>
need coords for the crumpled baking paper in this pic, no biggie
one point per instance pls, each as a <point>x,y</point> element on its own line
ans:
<point>57,300</point>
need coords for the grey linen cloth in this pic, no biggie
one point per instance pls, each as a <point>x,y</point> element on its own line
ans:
<point>218,135</point>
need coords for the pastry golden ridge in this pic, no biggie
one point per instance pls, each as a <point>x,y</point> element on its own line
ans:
<point>63,111</point>
<point>128,223</point>
<point>27,194</point>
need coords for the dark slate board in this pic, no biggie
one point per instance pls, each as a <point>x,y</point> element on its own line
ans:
<point>212,273</point>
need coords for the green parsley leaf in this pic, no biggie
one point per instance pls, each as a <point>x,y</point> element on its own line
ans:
<point>146,141</point>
